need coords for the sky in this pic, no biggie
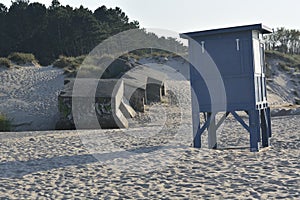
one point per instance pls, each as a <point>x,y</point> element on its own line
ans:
<point>195,15</point>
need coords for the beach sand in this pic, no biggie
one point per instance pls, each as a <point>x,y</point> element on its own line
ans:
<point>57,165</point>
<point>28,96</point>
<point>152,160</point>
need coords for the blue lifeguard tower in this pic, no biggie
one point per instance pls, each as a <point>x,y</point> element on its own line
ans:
<point>238,54</point>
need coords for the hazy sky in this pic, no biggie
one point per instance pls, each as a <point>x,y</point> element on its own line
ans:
<point>193,15</point>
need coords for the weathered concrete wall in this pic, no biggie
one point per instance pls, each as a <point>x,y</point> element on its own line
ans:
<point>111,100</point>
<point>126,109</point>
<point>105,103</point>
<point>154,90</point>
<point>143,85</point>
<point>135,92</point>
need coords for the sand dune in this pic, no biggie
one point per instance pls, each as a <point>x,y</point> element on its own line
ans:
<point>29,96</point>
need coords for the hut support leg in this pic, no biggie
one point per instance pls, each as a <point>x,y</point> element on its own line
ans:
<point>196,122</point>
<point>200,130</point>
<point>254,130</point>
<point>264,128</point>
<point>212,132</point>
<point>269,121</point>
<point>196,131</point>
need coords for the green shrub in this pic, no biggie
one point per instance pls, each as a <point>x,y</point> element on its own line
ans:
<point>283,66</point>
<point>292,60</point>
<point>63,109</point>
<point>287,61</point>
<point>297,68</point>
<point>5,124</point>
<point>22,58</point>
<point>4,62</point>
<point>69,64</point>
<point>148,53</point>
<point>63,62</point>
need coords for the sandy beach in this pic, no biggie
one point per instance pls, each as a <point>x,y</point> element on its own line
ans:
<point>57,165</point>
<point>153,100</point>
<point>153,160</point>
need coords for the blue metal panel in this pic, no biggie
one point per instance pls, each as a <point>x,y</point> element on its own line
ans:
<point>235,68</point>
<point>226,56</point>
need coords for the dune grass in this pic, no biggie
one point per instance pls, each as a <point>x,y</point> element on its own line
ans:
<point>5,124</point>
<point>22,58</point>
<point>69,64</point>
<point>287,62</point>
<point>5,62</point>
<point>92,66</point>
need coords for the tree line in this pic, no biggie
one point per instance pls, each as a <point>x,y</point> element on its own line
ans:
<point>49,32</point>
<point>284,40</point>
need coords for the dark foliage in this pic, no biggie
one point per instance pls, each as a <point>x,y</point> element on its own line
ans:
<point>60,30</point>
<point>57,30</point>
<point>284,40</point>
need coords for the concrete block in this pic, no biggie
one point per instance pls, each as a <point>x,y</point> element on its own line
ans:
<point>105,94</point>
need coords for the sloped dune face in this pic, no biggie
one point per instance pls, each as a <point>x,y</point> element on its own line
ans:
<point>29,96</point>
<point>283,83</point>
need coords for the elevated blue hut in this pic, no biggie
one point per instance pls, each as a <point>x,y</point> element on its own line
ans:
<point>238,54</point>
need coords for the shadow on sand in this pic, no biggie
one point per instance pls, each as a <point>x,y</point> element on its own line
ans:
<point>18,169</point>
